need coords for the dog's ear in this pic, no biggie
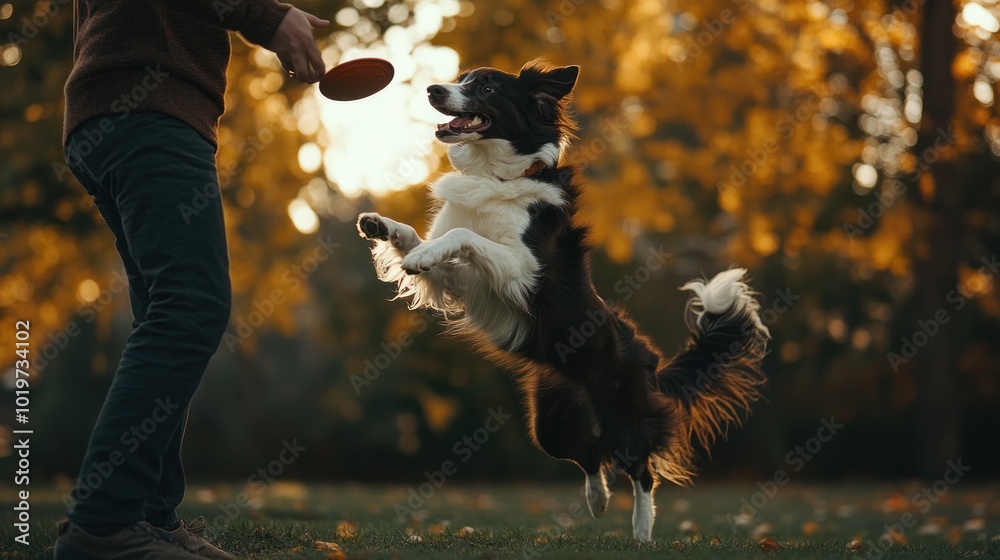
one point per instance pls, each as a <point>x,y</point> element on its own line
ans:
<point>549,85</point>
<point>555,82</point>
<point>560,81</point>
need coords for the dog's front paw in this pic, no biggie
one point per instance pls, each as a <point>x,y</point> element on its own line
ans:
<point>371,226</point>
<point>421,259</point>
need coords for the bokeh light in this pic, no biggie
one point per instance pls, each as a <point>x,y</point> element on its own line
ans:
<point>865,175</point>
<point>385,142</point>
<point>303,217</point>
<point>10,55</point>
<point>88,291</point>
<point>310,157</point>
<point>975,14</point>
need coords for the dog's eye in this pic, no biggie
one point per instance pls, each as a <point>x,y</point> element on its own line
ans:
<point>486,89</point>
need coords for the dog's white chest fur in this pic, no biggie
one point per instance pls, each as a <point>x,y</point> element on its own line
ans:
<point>475,266</point>
<point>500,275</point>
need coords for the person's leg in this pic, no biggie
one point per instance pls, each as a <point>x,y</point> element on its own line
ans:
<point>160,510</point>
<point>150,168</point>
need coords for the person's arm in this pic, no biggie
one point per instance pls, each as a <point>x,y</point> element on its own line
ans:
<point>280,28</point>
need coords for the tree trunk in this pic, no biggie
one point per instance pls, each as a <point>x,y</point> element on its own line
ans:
<point>936,364</point>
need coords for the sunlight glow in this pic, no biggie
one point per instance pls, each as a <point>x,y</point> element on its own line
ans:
<point>303,217</point>
<point>310,157</point>
<point>865,175</point>
<point>975,14</point>
<point>385,142</point>
<point>429,18</point>
<point>347,17</point>
<point>983,92</point>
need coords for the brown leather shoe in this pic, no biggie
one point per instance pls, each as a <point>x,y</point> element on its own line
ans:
<point>189,536</point>
<point>135,542</point>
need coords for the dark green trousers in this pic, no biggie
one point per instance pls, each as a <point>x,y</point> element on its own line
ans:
<point>154,180</point>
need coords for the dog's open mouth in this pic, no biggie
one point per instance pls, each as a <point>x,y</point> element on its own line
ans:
<point>464,123</point>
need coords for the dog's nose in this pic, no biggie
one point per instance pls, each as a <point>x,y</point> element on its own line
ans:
<point>436,91</point>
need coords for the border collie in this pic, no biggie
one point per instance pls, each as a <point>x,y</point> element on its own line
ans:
<point>508,267</point>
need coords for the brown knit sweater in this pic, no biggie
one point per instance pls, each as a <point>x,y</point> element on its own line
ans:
<point>168,56</point>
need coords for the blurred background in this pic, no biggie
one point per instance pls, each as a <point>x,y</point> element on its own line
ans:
<point>846,151</point>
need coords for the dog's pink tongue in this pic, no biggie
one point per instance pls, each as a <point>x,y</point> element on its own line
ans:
<point>459,122</point>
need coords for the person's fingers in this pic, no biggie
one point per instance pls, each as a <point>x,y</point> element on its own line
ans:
<point>315,21</point>
<point>301,66</point>
<point>315,62</point>
<point>285,62</point>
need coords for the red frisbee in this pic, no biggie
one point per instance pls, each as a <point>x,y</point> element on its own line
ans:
<point>355,79</point>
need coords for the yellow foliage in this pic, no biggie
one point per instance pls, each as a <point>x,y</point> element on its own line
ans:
<point>438,410</point>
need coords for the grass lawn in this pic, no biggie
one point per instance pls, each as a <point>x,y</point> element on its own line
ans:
<point>551,522</point>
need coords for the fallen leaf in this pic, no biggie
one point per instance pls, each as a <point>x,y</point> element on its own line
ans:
<point>974,524</point>
<point>687,526</point>
<point>206,495</point>
<point>334,551</point>
<point>464,532</point>
<point>929,528</point>
<point>414,538</point>
<point>346,529</point>
<point>678,546</point>
<point>854,545</point>
<point>768,544</point>
<point>761,530</point>
<point>742,519</point>
<point>895,503</point>
<point>715,541</point>
<point>483,501</point>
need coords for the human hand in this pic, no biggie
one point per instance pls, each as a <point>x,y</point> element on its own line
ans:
<point>296,49</point>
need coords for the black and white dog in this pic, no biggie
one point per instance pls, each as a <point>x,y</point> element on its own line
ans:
<point>508,268</point>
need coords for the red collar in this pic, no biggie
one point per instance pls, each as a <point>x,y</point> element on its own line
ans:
<point>534,169</point>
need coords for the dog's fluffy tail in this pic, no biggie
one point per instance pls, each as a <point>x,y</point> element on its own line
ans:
<point>717,374</point>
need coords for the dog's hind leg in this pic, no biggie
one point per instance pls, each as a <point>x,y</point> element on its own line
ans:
<point>563,425</point>
<point>644,511</point>
<point>597,491</point>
